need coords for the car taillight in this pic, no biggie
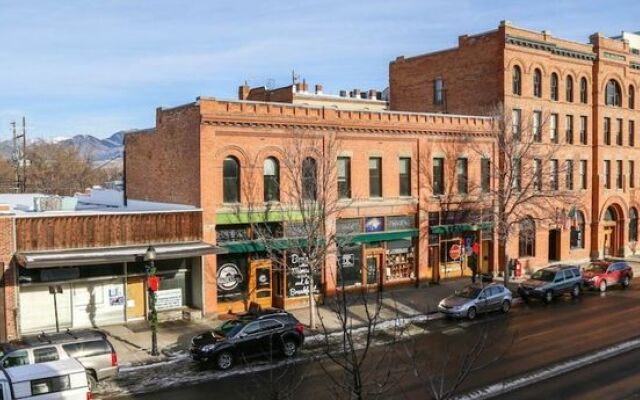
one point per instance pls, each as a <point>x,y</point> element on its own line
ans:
<point>300,328</point>
<point>89,395</point>
<point>114,359</point>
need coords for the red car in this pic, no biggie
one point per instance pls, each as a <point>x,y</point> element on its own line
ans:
<point>602,274</point>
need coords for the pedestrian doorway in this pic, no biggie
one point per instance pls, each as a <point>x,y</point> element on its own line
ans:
<point>554,245</point>
<point>487,256</point>
<point>135,298</point>
<point>260,278</point>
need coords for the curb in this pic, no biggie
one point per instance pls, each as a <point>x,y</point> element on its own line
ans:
<point>545,373</point>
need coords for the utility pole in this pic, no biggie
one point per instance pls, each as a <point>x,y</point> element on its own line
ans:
<point>18,156</point>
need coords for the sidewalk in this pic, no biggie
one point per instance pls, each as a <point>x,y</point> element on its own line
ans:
<point>133,341</point>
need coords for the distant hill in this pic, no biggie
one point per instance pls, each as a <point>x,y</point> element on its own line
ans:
<point>110,148</point>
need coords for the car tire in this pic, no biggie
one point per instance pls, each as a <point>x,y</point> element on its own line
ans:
<point>575,291</point>
<point>506,306</point>
<point>602,286</point>
<point>224,360</point>
<point>289,348</point>
<point>472,313</point>
<point>92,381</point>
<point>548,296</point>
<point>626,281</point>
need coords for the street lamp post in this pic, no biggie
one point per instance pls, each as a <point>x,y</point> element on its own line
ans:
<point>150,270</point>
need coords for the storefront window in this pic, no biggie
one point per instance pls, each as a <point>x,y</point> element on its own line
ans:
<point>349,269</point>
<point>298,271</point>
<point>232,278</point>
<point>577,231</point>
<point>400,260</point>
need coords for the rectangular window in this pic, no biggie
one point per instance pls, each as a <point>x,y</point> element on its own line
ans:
<point>537,126</point>
<point>485,173</point>
<point>619,174</point>
<point>583,129</point>
<point>607,131</point>
<point>607,174</point>
<point>50,385</point>
<point>537,174</point>
<point>405,176</point>
<point>45,354</point>
<point>438,176</point>
<point>632,133</point>
<point>583,174</point>
<point>569,174</point>
<point>516,123</point>
<point>632,174</point>
<point>516,174</point>
<point>375,177</point>
<point>553,128</point>
<point>462,177</point>
<point>569,128</point>
<point>438,92</point>
<point>553,175</point>
<point>344,177</point>
<point>619,132</point>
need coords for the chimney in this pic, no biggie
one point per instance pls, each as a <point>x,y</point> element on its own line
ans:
<point>305,86</point>
<point>343,93</point>
<point>373,93</point>
<point>355,93</point>
<point>318,88</point>
<point>243,91</point>
<point>298,87</point>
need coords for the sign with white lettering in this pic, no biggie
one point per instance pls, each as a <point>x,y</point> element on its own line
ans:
<point>168,299</point>
<point>298,276</point>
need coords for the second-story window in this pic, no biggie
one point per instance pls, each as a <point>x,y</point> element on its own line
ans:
<point>569,128</point>
<point>583,174</point>
<point>619,174</point>
<point>632,133</point>
<point>405,176</point>
<point>632,97</point>
<point>462,176</point>
<point>583,129</point>
<point>569,174</point>
<point>485,175</point>
<point>554,86</point>
<point>537,126</point>
<point>607,174</point>
<point>613,94</point>
<point>271,173</point>
<point>375,177</point>
<point>344,177</point>
<point>516,123</point>
<point>438,176</point>
<point>438,91</point>
<point>517,81</point>
<point>516,174</point>
<point>537,83</point>
<point>553,175</point>
<point>309,179</point>
<point>231,180</point>
<point>607,130</point>
<point>569,89</point>
<point>584,94</point>
<point>537,174</point>
<point>632,174</point>
<point>619,131</point>
<point>553,128</point>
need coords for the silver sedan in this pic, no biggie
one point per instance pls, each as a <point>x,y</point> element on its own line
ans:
<point>475,299</point>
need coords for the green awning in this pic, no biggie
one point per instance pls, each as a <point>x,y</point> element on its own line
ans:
<point>448,229</point>
<point>380,236</point>
<point>257,246</point>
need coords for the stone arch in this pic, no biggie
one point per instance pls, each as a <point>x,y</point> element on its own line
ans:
<point>615,76</point>
<point>614,226</point>
<point>532,67</point>
<point>233,150</point>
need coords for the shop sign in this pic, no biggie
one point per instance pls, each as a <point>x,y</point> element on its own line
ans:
<point>237,234</point>
<point>298,276</point>
<point>400,223</point>
<point>59,274</point>
<point>399,251</point>
<point>263,280</point>
<point>168,299</point>
<point>347,226</point>
<point>229,277</point>
<point>454,251</point>
<point>116,296</point>
<point>294,230</point>
<point>374,224</point>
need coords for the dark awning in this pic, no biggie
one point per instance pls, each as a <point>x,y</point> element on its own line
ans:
<point>107,255</point>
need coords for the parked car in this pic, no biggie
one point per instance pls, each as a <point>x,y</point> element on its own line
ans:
<point>90,348</point>
<point>602,274</point>
<point>551,282</point>
<point>252,335</point>
<point>52,380</point>
<point>475,299</point>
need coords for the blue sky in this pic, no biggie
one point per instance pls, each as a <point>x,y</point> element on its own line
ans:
<point>96,67</point>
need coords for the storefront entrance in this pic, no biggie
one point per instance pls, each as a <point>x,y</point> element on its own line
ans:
<point>135,298</point>
<point>554,244</point>
<point>260,279</point>
<point>374,261</point>
<point>609,236</point>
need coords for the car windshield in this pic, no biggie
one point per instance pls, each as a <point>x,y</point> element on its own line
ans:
<point>595,268</point>
<point>229,328</point>
<point>233,331</point>
<point>543,275</point>
<point>469,292</point>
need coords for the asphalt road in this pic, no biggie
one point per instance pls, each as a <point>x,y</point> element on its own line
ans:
<point>530,337</point>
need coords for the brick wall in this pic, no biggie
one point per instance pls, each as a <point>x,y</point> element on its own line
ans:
<point>8,330</point>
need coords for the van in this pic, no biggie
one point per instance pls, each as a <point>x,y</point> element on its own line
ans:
<point>56,380</point>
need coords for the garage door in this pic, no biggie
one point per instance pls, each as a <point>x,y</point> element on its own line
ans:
<point>37,312</point>
<point>98,303</point>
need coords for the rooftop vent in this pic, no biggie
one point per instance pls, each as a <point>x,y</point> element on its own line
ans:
<point>54,203</point>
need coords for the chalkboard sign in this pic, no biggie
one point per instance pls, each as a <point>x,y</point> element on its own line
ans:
<point>298,271</point>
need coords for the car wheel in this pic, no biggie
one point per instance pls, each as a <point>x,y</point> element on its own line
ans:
<point>603,286</point>
<point>92,381</point>
<point>548,297</point>
<point>224,360</point>
<point>472,313</point>
<point>289,348</point>
<point>575,292</point>
<point>626,282</point>
<point>506,306</point>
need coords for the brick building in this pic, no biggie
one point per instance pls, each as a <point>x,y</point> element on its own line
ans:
<point>585,93</point>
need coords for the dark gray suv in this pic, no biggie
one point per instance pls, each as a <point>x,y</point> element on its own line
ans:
<point>551,282</point>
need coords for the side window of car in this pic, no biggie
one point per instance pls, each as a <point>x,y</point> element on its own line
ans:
<point>568,274</point>
<point>269,325</point>
<point>559,277</point>
<point>15,359</point>
<point>575,272</point>
<point>252,328</point>
<point>45,354</point>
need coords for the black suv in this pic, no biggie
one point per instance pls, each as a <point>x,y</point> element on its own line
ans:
<point>551,282</point>
<point>252,335</point>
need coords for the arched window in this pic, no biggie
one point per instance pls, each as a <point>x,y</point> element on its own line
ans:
<point>537,83</point>
<point>569,89</point>
<point>610,214</point>
<point>632,97</point>
<point>527,238</point>
<point>231,180</point>
<point>309,179</point>
<point>633,225</point>
<point>577,229</point>
<point>584,94</point>
<point>613,94</point>
<point>517,81</point>
<point>554,86</point>
<point>271,175</point>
